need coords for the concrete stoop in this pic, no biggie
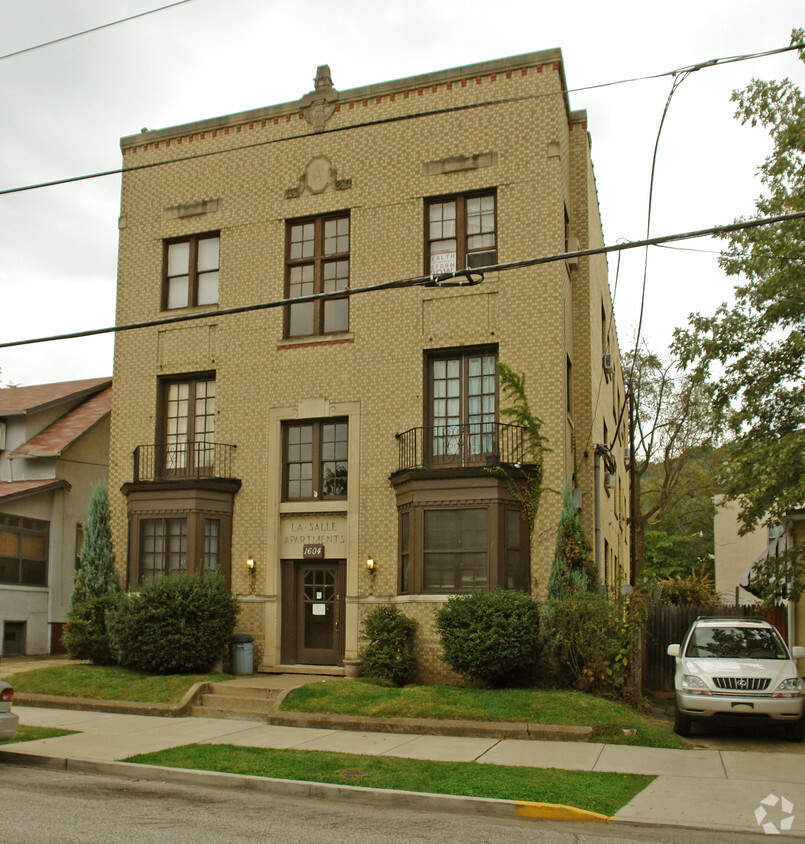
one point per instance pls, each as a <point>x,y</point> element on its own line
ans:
<point>225,700</point>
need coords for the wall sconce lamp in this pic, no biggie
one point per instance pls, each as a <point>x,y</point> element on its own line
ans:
<point>250,564</point>
<point>370,563</point>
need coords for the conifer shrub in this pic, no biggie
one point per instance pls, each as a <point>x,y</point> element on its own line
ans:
<point>390,654</point>
<point>491,638</point>
<point>173,625</point>
<point>86,636</point>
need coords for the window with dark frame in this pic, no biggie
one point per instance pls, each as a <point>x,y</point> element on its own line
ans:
<point>23,551</point>
<point>462,390</point>
<point>315,456</point>
<point>212,544</point>
<point>447,548</point>
<point>191,271</point>
<point>317,261</point>
<point>163,547</point>
<point>460,233</point>
<point>188,423</point>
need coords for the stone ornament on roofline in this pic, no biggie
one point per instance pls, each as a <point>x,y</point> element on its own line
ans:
<point>319,105</point>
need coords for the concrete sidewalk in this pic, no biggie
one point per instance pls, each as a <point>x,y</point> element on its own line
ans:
<point>706,789</point>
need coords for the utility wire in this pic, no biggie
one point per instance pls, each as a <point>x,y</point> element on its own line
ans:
<point>87,31</point>
<point>459,279</point>
<point>453,109</point>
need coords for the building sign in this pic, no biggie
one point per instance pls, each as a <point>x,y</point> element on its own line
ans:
<point>312,538</point>
<point>443,262</point>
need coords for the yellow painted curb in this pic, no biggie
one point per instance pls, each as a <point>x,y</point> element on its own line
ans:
<point>557,812</point>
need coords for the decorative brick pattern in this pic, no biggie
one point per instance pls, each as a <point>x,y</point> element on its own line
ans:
<point>381,139</point>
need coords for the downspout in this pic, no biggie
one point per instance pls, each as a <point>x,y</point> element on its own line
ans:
<point>597,511</point>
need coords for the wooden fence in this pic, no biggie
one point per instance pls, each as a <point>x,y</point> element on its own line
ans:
<point>668,624</point>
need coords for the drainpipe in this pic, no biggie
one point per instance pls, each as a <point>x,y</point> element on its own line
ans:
<point>599,544</point>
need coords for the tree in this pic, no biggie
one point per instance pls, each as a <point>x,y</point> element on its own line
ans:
<point>751,353</point>
<point>96,588</point>
<point>572,554</point>
<point>96,573</point>
<point>671,476</point>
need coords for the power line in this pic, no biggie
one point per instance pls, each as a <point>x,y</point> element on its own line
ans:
<point>463,278</point>
<point>92,29</point>
<point>431,113</point>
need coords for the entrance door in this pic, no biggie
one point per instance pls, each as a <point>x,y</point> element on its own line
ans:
<point>319,612</point>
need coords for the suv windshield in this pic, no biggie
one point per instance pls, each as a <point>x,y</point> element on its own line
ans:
<point>735,643</point>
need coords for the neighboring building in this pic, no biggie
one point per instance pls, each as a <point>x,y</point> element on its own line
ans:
<point>54,448</point>
<point>289,446</point>
<point>736,555</point>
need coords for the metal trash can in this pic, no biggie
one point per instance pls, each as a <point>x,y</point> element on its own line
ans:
<point>241,654</point>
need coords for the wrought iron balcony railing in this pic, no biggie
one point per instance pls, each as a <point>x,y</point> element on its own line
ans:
<point>179,461</point>
<point>474,444</point>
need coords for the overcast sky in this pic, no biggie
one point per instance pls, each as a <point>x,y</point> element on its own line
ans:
<point>63,109</point>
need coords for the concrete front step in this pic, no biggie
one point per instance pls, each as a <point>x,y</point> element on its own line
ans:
<point>212,712</point>
<point>225,700</point>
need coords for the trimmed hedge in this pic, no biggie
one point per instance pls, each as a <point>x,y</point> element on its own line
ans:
<point>491,638</point>
<point>390,653</point>
<point>174,625</point>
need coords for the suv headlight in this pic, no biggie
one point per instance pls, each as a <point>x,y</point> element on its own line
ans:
<point>789,688</point>
<point>692,683</point>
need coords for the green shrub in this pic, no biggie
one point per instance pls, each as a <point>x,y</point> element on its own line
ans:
<point>390,653</point>
<point>596,637</point>
<point>86,636</point>
<point>491,638</point>
<point>174,625</point>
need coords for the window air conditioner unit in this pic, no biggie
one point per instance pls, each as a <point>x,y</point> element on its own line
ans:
<point>482,259</point>
<point>608,362</point>
<point>572,245</point>
<point>610,480</point>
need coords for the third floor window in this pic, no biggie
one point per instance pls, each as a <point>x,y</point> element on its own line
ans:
<point>317,261</point>
<point>191,271</point>
<point>460,233</point>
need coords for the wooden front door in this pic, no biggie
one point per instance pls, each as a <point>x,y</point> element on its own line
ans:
<point>319,612</point>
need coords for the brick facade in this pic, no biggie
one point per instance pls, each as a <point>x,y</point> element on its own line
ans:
<point>377,153</point>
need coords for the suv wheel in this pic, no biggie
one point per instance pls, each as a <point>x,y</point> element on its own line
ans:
<point>682,724</point>
<point>795,731</point>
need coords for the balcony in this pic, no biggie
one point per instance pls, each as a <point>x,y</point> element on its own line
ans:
<point>182,461</point>
<point>459,446</point>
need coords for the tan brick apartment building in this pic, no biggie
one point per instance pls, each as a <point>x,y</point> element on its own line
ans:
<point>290,446</point>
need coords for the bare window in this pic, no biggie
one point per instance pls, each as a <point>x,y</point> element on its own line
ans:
<point>23,551</point>
<point>192,271</point>
<point>163,547</point>
<point>189,425</point>
<point>317,262</point>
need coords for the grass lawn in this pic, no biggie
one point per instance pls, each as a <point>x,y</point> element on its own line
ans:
<point>609,719</point>
<point>33,733</point>
<point>597,792</point>
<point>109,682</point>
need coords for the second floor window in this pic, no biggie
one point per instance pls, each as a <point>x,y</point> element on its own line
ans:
<point>317,262</point>
<point>315,459</point>
<point>463,403</point>
<point>461,233</point>
<point>191,271</point>
<point>189,424</point>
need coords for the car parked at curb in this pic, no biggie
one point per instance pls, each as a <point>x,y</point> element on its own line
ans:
<point>737,668</point>
<point>8,720</point>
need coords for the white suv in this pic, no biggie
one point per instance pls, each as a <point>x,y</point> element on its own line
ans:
<point>737,667</point>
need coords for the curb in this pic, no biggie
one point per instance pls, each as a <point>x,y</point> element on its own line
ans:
<point>118,707</point>
<point>418,726</point>
<point>487,806</point>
